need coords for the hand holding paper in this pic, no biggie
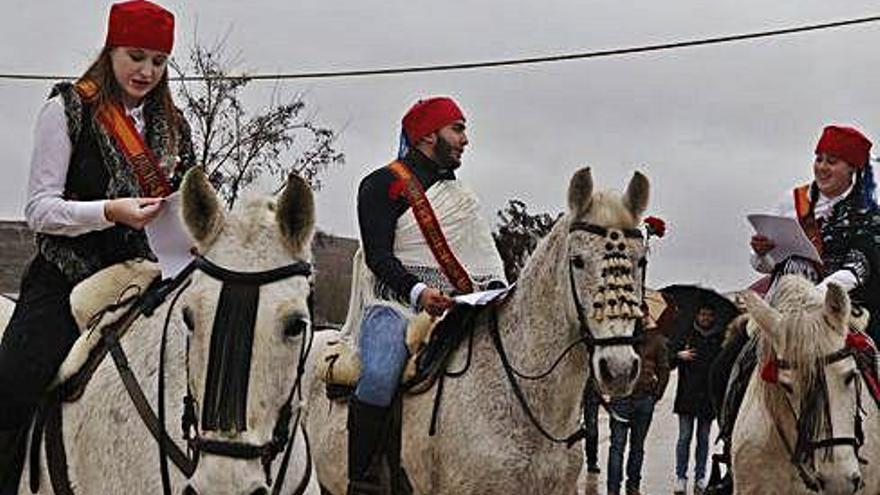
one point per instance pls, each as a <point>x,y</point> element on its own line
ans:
<point>786,235</point>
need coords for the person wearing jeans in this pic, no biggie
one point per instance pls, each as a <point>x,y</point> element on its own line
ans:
<point>686,424</point>
<point>693,355</point>
<point>634,413</point>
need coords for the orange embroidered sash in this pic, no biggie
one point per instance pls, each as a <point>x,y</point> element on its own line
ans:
<point>430,227</point>
<point>117,124</point>
<point>805,216</point>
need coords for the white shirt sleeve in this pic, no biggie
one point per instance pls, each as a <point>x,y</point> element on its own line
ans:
<point>46,210</point>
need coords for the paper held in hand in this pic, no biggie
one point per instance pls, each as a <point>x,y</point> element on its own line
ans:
<point>788,236</point>
<point>169,238</point>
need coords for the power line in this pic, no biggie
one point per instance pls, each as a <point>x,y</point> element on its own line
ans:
<point>503,62</point>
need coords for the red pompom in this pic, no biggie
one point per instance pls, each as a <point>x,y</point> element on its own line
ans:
<point>859,341</point>
<point>770,371</point>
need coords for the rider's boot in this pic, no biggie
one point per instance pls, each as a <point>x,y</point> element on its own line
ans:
<point>12,447</point>
<point>367,474</point>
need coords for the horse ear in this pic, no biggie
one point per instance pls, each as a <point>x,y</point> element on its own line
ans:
<point>296,214</point>
<point>765,316</point>
<point>200,206</point>
<point>580,192</point>
<point>636,197</point>
<point>837,305</point>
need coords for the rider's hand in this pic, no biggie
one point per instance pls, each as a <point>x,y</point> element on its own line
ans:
<point>434,302</point>
<point>133,212</point>
<point>761,245</point>
<point>687,354</point>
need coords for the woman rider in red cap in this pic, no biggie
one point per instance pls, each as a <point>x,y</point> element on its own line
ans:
<point>106,149</point>
<point>839,214</point>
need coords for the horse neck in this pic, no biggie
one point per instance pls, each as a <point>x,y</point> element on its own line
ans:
<point>538,324</point>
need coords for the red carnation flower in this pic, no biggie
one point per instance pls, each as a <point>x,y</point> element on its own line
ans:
<point>655,226</point>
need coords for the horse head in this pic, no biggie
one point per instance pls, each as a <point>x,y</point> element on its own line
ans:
<point>248,313</point>
<point>817,403</point>
<point>606,259</point>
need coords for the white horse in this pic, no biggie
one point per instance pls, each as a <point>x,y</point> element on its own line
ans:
<point>107,445</point>
<point>805,429</point>
<point>485,443</point>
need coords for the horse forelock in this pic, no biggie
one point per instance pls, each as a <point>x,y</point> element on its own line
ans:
<point>804,335</point>
<point>608,210</point>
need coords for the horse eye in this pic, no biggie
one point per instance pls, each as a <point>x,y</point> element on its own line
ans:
<point>578,262</point>
<point>188,319</point>
<point>295,326</point>
<point>850,377</point>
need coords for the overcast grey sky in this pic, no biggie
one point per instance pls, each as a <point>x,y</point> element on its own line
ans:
<point>721,131</point>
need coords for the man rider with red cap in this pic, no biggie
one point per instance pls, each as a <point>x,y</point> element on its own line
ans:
<point>422,239</point>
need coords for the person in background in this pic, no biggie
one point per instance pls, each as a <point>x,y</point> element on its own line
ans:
<point>638,410</point>
<point>693,354</point>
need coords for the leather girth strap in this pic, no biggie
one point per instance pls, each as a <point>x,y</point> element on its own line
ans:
<point>430,227</point>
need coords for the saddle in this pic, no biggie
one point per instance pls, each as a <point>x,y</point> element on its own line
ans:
<point>430,342</point>
<point>104,298</point>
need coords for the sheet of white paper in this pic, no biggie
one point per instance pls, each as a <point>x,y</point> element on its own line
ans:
<point>788,235</point>
<point>169,238</point>
<point>481,298</point>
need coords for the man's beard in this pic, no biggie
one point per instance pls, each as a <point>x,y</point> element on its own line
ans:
<point>443,154</point>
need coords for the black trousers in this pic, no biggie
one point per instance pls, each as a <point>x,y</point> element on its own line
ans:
<point>591,423</point>
<point>37,338</point>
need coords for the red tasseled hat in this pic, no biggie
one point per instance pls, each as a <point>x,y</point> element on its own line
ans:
<point>140,24</point>
<point>846,143</point>
<point>426,116</point>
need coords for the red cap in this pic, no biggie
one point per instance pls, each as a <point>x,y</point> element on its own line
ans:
<point>426,116</point>
<point>846,143</point>
<point>140,24</point>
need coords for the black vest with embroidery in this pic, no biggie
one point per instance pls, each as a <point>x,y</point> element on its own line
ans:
<point>98,171</point>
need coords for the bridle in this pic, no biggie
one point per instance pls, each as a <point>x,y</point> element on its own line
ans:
<point>816,402</point>
<point>615,251</point>
<point>615,270</point>
<point>229,361</point>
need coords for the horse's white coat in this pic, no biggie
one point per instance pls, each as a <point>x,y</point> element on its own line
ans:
<point>109,449</point>
<point>485,444</point>
<point>801,327</point>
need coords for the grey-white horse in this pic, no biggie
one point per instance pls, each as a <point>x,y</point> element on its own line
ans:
<point>811,431</point>
<point>582,284</point>
<point>241,412</point>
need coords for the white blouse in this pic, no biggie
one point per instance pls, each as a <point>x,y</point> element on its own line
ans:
<point>46,210</point>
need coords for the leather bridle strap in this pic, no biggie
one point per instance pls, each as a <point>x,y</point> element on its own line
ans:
<point>186,465</point>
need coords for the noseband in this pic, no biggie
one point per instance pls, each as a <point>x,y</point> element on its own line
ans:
<point>226,383</point>
<point>803,455</point>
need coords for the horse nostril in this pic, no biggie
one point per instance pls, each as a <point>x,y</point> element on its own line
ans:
<point>190,491</point>
<point>260,491</point>
<point>604,370</point>
<point>857,482</point>
<point>634,370</point>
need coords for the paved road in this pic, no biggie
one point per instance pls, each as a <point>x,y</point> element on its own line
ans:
<point>659,467</point>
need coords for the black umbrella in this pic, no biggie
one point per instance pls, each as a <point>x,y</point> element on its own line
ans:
<point>689,298</point>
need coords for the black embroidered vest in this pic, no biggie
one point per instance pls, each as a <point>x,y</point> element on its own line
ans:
<point>97,170</point>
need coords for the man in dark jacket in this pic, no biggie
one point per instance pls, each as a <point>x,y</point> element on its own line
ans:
<point>693,354</point>
<point>638,410</point>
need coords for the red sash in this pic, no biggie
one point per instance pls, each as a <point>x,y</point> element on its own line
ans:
<point>117,124</point>
<point>805,216</point>
<point>430,227</point>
